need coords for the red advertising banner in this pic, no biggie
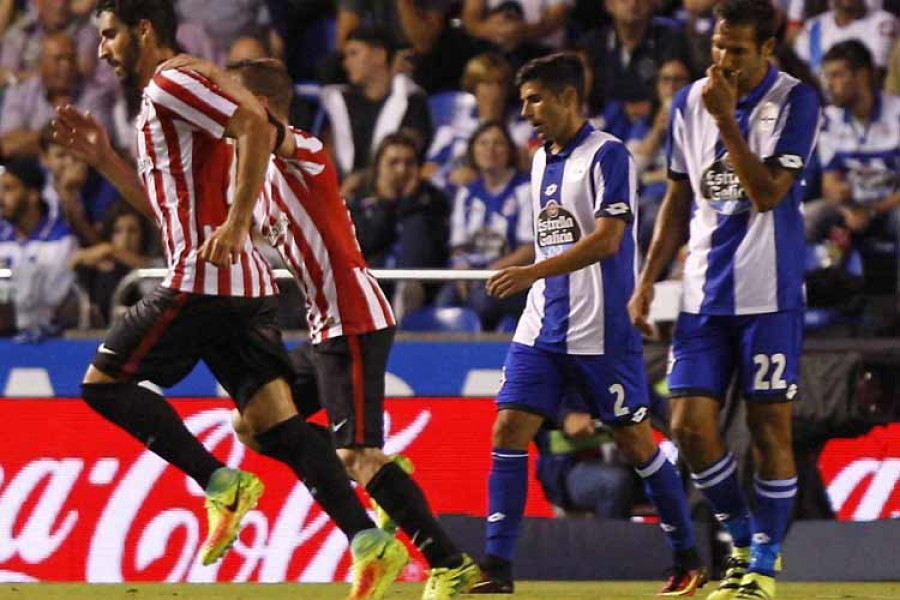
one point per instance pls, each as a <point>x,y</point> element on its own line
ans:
<point>81,501</point>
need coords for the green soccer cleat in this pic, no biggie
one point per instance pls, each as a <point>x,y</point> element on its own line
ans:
<point>378,559</point>
<point>382,519</point>
<point>444,583</point>
<point>229,495</point>
<point>755,586</point>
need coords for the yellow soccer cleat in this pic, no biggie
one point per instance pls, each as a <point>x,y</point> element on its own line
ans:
<point>755,586</point>
<point>735,568</point>
<point>237,492</point>
<point>446,583</point>
<point>378,559</point>
<point>382,519</point>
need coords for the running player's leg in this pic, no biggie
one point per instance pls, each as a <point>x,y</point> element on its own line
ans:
<point>255,369</point>
<point>771,345</point>
<point>351,371</point>
<point>532,391</point>
<point>150,342</point>
<point>702,364</point>
<point>616,389</point>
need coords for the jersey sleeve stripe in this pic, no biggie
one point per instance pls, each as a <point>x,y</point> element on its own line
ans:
<point>204,90</point>
<point>189,108</point>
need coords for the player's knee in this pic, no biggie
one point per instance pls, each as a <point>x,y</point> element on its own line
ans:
<point>636,443</point>
<point>508,432</point>
<point>243,431</point>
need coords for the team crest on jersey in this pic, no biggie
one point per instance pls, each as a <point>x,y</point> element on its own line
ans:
<point>722,188</point>
<point>556,226</point>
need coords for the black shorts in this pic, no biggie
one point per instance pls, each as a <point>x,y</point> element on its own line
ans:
<point>163,337</point>
<point>345,376</point>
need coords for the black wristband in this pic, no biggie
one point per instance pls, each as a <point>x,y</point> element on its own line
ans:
<point>280,131</point>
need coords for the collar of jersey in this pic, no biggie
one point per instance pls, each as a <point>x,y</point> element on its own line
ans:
<point>752,99</point>
<point>585,131</point>
<point>876,110</point>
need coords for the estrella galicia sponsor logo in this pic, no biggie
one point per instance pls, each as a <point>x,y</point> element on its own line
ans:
<point>556,226</point>
<point>722,188</point>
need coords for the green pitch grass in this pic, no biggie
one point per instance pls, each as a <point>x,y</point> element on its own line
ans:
<point>526,590</point>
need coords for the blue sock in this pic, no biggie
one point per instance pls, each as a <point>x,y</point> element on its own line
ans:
<point>665,489</point>
<point>774,503</point>
<point>507,491</point>
<point>719,483</point>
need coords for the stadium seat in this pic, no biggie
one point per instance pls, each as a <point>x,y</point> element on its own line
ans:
<point>447,319</point>
<point>447,107</point>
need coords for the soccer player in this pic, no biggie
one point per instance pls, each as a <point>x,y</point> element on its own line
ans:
<point>574,336</point>
<point>738,144</point>
<point>302,214</point>
<point>217,302</point>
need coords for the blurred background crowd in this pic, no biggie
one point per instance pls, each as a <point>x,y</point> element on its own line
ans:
<point>415,102</point>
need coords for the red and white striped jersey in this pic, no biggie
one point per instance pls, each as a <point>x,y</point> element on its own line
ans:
<point>187,169</point>
<point>302,214</point>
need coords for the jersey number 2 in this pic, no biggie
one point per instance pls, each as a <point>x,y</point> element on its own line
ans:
<point>766,381</point>
<point>619,408</point>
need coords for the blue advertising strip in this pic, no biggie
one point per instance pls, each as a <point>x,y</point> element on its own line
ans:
<point>55,368</point>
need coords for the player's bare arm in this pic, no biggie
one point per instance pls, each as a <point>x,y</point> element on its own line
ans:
<point>86,138</point>
<point>601,243</point>
<point>766,185</point>
<point>670,233</point>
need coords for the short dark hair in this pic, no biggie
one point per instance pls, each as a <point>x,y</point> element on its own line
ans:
<point>556,71</point>
<point>160,13</point>
<point>486,126</point>
<point>398,138</point>
<point>854,53</point>
<point>266,77</point>
<point>374,36</point>
<point>760,14</point>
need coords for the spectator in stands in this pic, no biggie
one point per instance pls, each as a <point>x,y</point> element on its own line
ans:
<point>74,190</point>
<point>403,222</point>
<point>247,47</point>
<point>647,142</point>
<point>581,469</point>
<point>125,246</point>
<point>225,21</point>
<point>488,78</point>
<point>23,42</point>
<point>848,19</point>
<point>7,14</point>
<point>374,105</point>
<point>627,55</point>
<point>491,226</point>
<point>859,149</point>
<point>30,104</point>
<point>510,24</point>
<point>415,24</point>
<point>696,16</point>
<point>36,247</point>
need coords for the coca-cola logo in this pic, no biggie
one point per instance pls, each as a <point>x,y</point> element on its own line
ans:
<point>140,519</point>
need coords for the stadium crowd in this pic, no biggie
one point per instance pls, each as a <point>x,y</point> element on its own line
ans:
<point>414,100</point>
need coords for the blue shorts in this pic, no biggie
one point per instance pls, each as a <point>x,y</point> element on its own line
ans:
<point>613,388</point>
<point>765,349</point>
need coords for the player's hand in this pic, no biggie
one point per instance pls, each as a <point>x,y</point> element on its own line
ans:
<point>185,61</point>
<point>81,134</point>
<point>510,281</point>
<point>639,309</point>
<point>223,248</point>
<point>720,92</point>
<point>579,424</point>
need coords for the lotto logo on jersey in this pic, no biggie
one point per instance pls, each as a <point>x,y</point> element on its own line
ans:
<point>722,188</point>
<point>556,226</point>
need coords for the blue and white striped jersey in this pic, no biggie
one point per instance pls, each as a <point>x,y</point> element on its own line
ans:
<point>741,261</point>
<point>867,153</point>
<point>487,225</point>
<point>583,312</point>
